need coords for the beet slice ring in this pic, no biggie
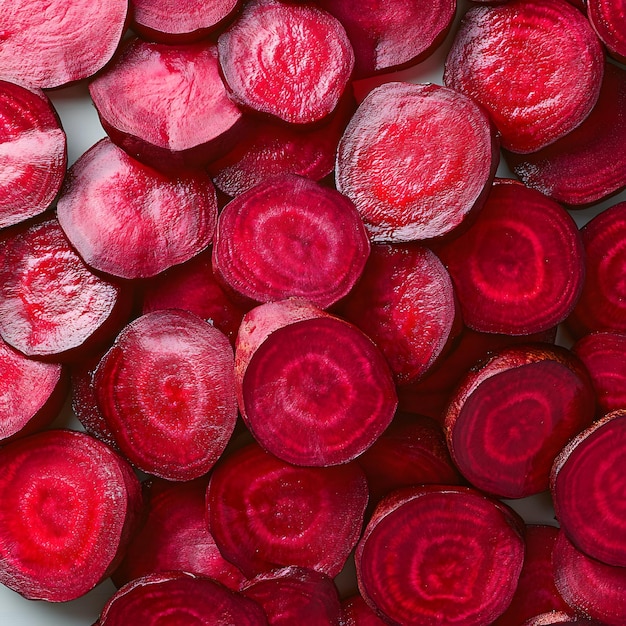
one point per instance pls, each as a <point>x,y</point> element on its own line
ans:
<point>588,483</point>
<point>535,66</point>
<point>433,555</point>
<point>608,18</point>
<point>407,188</point>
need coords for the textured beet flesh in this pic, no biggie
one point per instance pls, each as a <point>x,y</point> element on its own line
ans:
<point>535,66</point>
<point>416,160</point>
<point>560,617</point>
<point>264,513</point>
<point>356,612</point>
<point>608,18</point>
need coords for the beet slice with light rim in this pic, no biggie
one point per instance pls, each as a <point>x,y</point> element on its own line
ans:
<point>559,617</point>
<point>608,18</point>
<point>416,160</point>
<point>536,67</point>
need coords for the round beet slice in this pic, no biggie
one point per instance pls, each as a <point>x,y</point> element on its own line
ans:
<point>265,513</point>
<point>587,487</point>
<point>608,18</point>
<point>519,269</point>
<point>510,418</point>
<point>416,160</point>
<point>535,66</point>
<point>290,236</point>
<point>166,390</point>
<point>433,555</point>
<point>68,507</point>
<point>559,617</point>
<point>356,612</point>
<point>312,388</point>
<point>33,153</point>
<point>130,221</point>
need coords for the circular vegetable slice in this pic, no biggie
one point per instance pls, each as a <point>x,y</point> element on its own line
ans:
<point>608,18</point>
<point>552,618</point>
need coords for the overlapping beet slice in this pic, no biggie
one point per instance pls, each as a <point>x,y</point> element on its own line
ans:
<point>560,617</point>
<point>608,18</point>
<point>416,160</point>
<point>356,612</point>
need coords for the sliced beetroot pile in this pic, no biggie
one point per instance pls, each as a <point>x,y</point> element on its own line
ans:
<point>265,513</point>
<point>519,269</point>
<point>166,390</point>
<point>312,388</point>
<point>356,612</point>
<point>608,18</point>
<point>130,221</point>
<point>588,483</point>
<point>535,66</point>
<point>433,555</point>
<point>68,505</point>
<point>292,62</point>
<point>416,160</point>
<point>167,105</point>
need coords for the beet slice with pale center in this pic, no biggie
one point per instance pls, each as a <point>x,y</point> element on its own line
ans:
<point>608,18</point>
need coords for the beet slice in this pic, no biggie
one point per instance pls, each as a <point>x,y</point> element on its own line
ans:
<point>535,66</point>
<point>356,612</point>
<point>406,303</point>
<point>433,555</point>
<point>589,163</point>
<point>180,598</point>
<point>509,419</point>
<point>608,18</point>
<point>312,388</point>
<point>68,507</point>
<point>61,42</point>
<point>520,268</point>
<point>588,484</point>
<point>166,390</point>
<point>167,105</point>
<point>292,62</point>
<point>290,237</point>
<point>559,617</point>
<point>129,220</point>
<point>416,160</point>
<point>265,513</point>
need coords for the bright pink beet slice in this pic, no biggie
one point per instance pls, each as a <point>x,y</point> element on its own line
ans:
<point>180,599</point>
<point>519,269</point>
<point>130,221</point>
<point>356,612</point>
<point>68,507</point>
<point>61,42</point>
<point>416,160</point>
<point>312,388</point>
<point>33,153</point>
<point>510,418</point>
<point>608,18</point>
<point>292,62</point>
<point>535,66</point>
<point>588,484</point>
<point>167,105</point>
<point>290,237</point>
<point>433,555</point>
<point>167,392</point>
<point>265,513</point>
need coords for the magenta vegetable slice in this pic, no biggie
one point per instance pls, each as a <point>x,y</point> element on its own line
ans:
<point>166,390</point>
<point>608,18</point>
<point>416,160</point>
<point>265,513</point>
<point>535,66</point>
<point>356,612</point>
<point>290,237</point>
<point>433,555</point>
<point>559,617</point>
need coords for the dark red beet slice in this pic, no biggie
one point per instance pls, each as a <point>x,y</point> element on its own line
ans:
<point>130,221</point>
<point>520,268</point>
<point>588,484</point>
<point>535,66</point>
<point>356,612</point>
<point>312,388</point>
<point>166,390</point>
<point>33,153</point>
<point>265,513</point>
<point>180,599</point>
<point>57,43</point>
<point>608,18</point>
<point>68,506</point>
<point>589,163</point>
<point>405,302</point>
<point>393,34</point>
<point>295,595</point>
<point>407,189</point>
<point>509,419</point>
<point>559,617</point>
<point>51,303</point>
<point>433,555</point>
<point>602,303</point>
<point>590,586</point>
<point>288,61</point>
<point>167,105</point>
<point>290,237</point>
